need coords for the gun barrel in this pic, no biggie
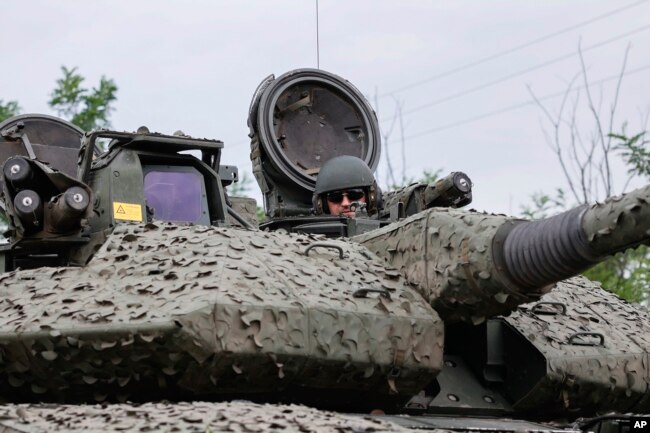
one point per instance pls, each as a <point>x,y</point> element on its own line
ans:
<point>537,253</point>
<point>64,213</point>
<point>471,265</point>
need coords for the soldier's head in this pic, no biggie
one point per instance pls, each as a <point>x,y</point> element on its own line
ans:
<point>341,182</point>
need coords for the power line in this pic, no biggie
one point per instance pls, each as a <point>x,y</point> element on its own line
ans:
<point>317,40</point>
<point>513,49</point>
<point>520,105</point>
<point>519,73</point>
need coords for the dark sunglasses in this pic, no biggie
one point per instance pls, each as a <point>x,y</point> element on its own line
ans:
<point>352,195</point>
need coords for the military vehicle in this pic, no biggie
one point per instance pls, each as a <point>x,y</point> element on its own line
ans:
<point>138,296</point>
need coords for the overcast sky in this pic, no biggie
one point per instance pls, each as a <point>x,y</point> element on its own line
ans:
<point>194,65</point>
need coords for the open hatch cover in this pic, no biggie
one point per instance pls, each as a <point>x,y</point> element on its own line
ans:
<point>298,122</point>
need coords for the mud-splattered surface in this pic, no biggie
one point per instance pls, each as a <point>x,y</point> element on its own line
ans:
<point>211,310</point>
<point>185,417</point>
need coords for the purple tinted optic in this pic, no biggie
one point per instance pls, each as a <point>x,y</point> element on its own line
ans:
<point>174,196</point>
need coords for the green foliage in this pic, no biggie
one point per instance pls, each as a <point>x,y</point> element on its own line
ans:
<point>635,151</point>
<point>261,214</point>
<point>626,274</point>
<point>428,176</point>
<point>88,109</point>
<point>8,109</point>
<point>544,205</point>
<point>241,187</point>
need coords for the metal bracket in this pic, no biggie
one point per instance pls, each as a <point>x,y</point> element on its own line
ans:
<point>538,308</point>
<point>363,293</point>
<point>16,133</point>
<point>601,339</point>
<point>325,245</point>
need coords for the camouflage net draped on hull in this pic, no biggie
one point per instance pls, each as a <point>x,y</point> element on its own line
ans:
<point>197,417</point>
<point>596,350</point>
<point>207,311</point>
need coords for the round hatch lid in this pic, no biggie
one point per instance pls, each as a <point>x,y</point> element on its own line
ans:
<point>46,130</point>
<point>308,116</point>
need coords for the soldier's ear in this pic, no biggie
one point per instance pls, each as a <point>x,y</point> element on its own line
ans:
<point>323,208</point>
<point>319,209</point>
<point>380,198</point>
<point>375,199</point>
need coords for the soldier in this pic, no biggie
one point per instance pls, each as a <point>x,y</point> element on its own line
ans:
<point>342,182</point>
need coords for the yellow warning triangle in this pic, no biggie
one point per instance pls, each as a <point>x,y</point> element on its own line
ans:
<point>120,209</point>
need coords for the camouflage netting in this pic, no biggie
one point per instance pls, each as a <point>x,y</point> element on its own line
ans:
<point>196,417</point>
<point>201,310</point>
<point>411,196</point>
<point>584,373</point>
<point>246,208</point>
<point>451,255</point>
<point>618,221</point>
<point>447,253</point>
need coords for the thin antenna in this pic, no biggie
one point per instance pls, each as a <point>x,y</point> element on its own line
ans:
<point>317,41</point>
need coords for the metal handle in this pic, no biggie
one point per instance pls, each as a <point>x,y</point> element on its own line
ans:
<point>363,293</point>
<point>325,245</point>
<point>601,339</point>
<point>537,310</point>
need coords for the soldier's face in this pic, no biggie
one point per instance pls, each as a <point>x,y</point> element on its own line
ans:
<point>339,202</point>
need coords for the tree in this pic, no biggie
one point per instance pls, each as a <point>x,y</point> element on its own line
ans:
<point>397,120</point>
<point>88,109</point>
<point>586,156</point>
<point>8,109</point>
<point>391,180</point>
<point>241,187</point>
<point>635,152</point>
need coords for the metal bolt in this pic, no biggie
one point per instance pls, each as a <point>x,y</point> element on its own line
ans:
<point>14,169</point>
<point>452,397</point>
<point>488,399</point>
<point>78,198</point>
<point>27,201</point>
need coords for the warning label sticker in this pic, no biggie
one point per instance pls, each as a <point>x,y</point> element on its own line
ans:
<point>127,211</point>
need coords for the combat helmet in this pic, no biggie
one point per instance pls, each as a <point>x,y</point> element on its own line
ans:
<point>344,172</point>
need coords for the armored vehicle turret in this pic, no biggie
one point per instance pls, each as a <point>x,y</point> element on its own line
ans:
<point>138,296</point>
